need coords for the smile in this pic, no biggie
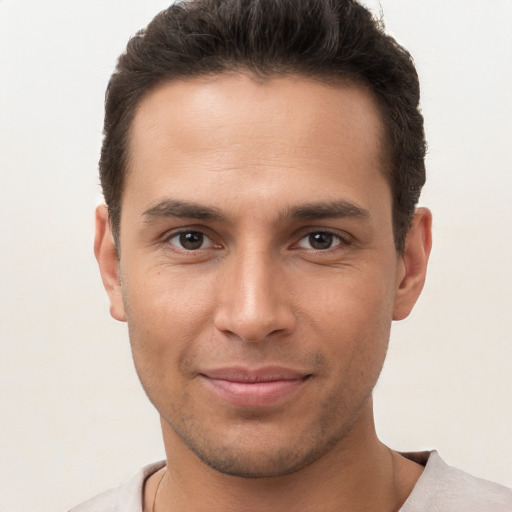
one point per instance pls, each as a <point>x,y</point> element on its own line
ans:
<point>254,388</point>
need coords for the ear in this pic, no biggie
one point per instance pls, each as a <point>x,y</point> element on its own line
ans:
<point>108,261</point>
<point>413,263</point>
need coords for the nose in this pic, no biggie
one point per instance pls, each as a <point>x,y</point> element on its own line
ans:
<point>254,303</point>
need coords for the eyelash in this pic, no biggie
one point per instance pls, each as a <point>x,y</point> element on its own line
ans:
<point>182,232</point>
<point>341,240</point>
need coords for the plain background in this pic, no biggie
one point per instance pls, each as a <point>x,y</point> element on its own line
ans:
<point>74,419</point>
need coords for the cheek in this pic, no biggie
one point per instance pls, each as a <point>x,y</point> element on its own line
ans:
<point>167,316</point>
<point>354,299</point>
<point>350,315</point>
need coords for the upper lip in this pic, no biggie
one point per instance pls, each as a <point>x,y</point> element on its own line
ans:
<point>264,374</point>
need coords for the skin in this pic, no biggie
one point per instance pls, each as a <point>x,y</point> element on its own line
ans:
<point>278,165</point>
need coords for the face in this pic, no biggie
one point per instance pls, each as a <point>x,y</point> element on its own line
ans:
<point>258,272</point>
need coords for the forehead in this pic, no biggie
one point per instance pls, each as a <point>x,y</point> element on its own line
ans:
<point>190,109</point>
<point>255,137</point>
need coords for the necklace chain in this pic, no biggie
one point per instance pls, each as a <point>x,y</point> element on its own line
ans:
<point>157,489</point>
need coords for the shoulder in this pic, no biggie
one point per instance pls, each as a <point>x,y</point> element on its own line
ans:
<point>445,488</point>
<point>104,502</point>
<point>125,498</point>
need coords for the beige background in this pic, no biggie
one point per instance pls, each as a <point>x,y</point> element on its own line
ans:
<point>74,420</point>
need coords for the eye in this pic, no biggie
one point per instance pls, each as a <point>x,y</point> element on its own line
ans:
<point>320,240</point>
<point>190,240</point>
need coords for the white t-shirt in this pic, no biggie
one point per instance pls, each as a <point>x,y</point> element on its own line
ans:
<point>441,488</point>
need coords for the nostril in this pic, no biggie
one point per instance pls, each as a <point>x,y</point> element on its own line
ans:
<point>253,305</point>
<point>255,328</point>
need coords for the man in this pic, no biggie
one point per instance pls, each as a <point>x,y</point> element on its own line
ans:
<point>261,167</point>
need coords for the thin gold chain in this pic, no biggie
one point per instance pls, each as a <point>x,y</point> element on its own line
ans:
<point>157,489</point>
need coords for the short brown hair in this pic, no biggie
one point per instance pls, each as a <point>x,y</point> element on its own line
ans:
<point>321,39</point>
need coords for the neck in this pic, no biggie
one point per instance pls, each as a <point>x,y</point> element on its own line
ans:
<point>358,474</point>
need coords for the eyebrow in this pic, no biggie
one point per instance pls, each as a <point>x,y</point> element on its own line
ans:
<point>174,208</point>
<point>309,211</point>
<point>321,210</point>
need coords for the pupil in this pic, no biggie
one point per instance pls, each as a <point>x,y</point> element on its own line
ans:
<point>191,240</point>
<point>320,240</point>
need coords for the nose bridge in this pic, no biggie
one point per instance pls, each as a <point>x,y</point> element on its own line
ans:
<point>254,302</point>
<point>257,295</point>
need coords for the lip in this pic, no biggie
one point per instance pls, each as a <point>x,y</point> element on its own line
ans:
<point>260,387</point>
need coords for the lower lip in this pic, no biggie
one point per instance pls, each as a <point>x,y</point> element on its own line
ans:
<point>254,394</point>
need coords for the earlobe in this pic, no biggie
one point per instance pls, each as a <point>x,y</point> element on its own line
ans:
<point>414,262</point>
<point>108,262</point>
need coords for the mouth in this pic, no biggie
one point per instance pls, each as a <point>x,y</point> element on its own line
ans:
<point>254,388</point>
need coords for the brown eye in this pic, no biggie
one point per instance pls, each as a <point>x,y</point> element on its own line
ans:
<point>190,240</point>
<point>320,240</point>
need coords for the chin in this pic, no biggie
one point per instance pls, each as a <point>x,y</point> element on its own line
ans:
<point>261,451</point>
<point>249,464</point>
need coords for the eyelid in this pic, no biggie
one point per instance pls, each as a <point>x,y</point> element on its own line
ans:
<point>343,239</point>
<point>170,235</point>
